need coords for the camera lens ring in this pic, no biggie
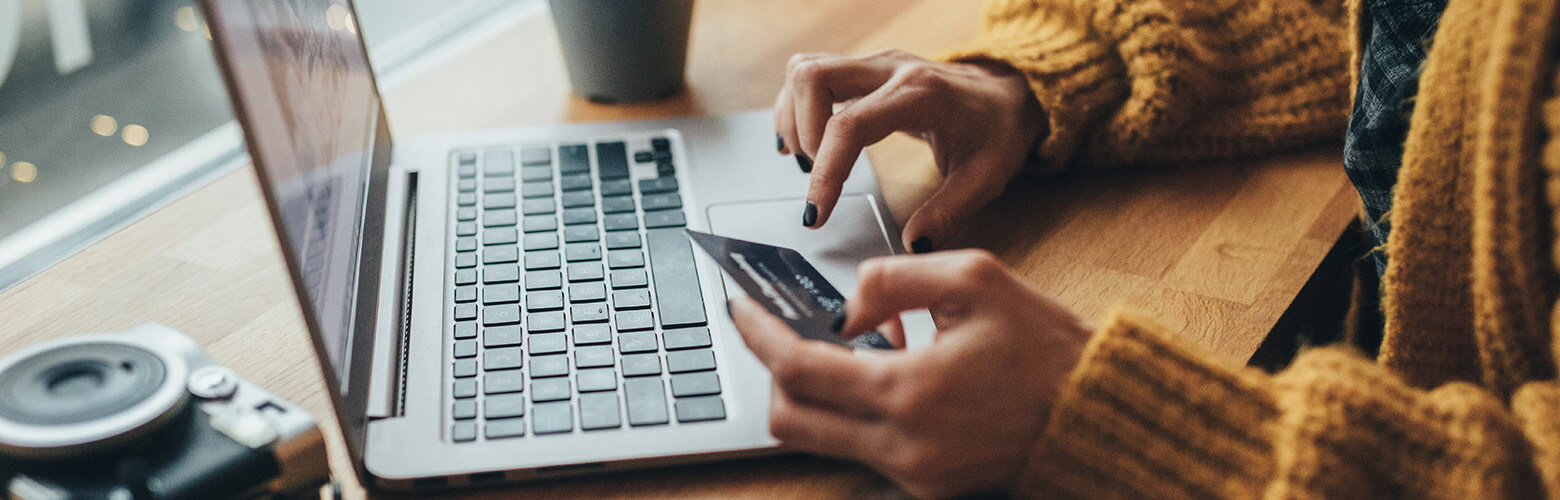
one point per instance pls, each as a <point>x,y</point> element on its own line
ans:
<point>119,403</point>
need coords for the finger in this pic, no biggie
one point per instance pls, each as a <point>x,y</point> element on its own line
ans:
<point>869,120</point>
<point>966,188</point>
<point>893,330</point>
<point>785,103</point>
<point>948,280</point>
<point>809,428</point>
<point>818,373</point>
<point>819,84</point>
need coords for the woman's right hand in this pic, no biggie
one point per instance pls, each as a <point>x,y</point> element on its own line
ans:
<point>981,120</point>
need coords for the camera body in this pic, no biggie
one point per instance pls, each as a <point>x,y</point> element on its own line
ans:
<point>146,414</point>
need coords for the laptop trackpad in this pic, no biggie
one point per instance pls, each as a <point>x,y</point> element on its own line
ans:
<point>854,233</point>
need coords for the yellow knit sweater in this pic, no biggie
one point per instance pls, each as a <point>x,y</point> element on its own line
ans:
<point>1462,402</point>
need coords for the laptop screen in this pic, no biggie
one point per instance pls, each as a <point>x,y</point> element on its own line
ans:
<point>305,94</point>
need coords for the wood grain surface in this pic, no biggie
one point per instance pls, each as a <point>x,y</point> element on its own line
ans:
<point>1217,252</point>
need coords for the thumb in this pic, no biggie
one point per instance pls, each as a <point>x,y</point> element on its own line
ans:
<point>965,189</point>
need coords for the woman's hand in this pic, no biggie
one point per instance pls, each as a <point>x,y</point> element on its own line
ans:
<point>981,121</point>
<point>960,416</point>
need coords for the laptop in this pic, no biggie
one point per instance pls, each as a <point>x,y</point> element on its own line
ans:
<point>510,305</point>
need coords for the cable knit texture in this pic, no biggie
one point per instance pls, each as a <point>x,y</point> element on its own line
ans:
<point>1462,402</point>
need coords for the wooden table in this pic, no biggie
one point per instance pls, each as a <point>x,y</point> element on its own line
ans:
<point>1217,252</point>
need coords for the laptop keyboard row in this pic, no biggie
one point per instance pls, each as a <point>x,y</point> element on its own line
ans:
<point>576,302</point>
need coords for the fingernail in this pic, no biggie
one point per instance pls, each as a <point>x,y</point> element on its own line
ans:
<point>779,144</point>
<point>839,324</point>
<point>805,163</point>
<point>921,245</point>
<point>810,215</point>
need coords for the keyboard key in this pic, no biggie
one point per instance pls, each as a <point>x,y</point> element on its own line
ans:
<point>623,300</point>
<point>466,330</point>
<point>622,239</point>
<point>496,315</point>
<point>464,432</point>
<point>587,292</point>
<point>539,223</point>
<point>466,158</point>
<point>500,254</point>
<point>658,185</point>
<point>502,336</point>
<point>502,273</point>
<point>498,200</point>
<point>690,361</point>
<point>551,300</point>
<point>664,218</point>
<point>535,174</point>
<point>466,213</point>
<point>465,260</point>
<point>465,312</point>
<point>465,244</point>
<point>585,271</point>
<point>543,280</point>
<point>552,418</point>
<point>539,322</point>
<point>465,368</point>
<point>665,168</point>
<point>620,222</point>
<point>580,234</point>
<point>541,189</point>
<point>646,156</point>
<point>499,236</point>
<point>466,185</point>
<point>498,218</point>
<point>551,389</point>
<point>501,294</point>
<point>599,411</point>
<point>617,187</point>
<point>536,155</point>
<point>700,409</point>
<point>466,277</point>
<point>466,199</point>
<point>507,358</point>
<point>593,356</point>
<point>503,382</point>
<point>536,261</point>
<point>596,379</point>
<point>617,204</point>
<point>499,185</point>
<point>678,297</point>
<point>577,199</point>
<point>589,313</point>
<point>464,388</point>
<point>629,278</point>
<point>635,365</point>
<point>498,162</point>
<point>505,428</point>
<point>552,343</point>
<point>466,171</point>
<point>466,229</point>
<point>666,201</point>
<point>646,401</point>
<point>573,159</point>
<point>575,216</point>
<point>622,259</point>
<point>579,252</point>
<point>549,366</point>
<point>465,348</point>
<point>464,409</point>
<point>465,293</point>
<point>540,241</point>
<point>611,160</point>
<point>687,338</point>
<point>577,182</point>
<point>504,406</point>
<point>661,144</point>
<point>635,320</point>
<point>695,384</point>
<point>636,342</point>
<point>592,334</point>
<point>537,206</point>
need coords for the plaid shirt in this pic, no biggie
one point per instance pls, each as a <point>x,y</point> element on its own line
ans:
<point>1394,50</point>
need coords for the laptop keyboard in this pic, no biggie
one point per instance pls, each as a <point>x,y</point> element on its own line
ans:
<point>576,305</point>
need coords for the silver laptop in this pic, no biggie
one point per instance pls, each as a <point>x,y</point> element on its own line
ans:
<point>509,305</point>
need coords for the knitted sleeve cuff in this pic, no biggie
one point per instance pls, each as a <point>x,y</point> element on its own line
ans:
<point>1141,417</point>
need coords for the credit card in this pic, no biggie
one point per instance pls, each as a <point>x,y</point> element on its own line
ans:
<point>787,285</point>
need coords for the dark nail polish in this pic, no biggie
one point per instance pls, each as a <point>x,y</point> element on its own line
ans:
<point>921,245</point>
<point>779,143</point>
<point>810,215</point>
<point>839,324</point>
<point>805,163</point>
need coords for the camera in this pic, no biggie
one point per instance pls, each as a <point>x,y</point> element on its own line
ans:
<point>146,414</point>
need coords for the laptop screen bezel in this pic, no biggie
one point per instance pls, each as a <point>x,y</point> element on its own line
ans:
<point>349,396</point>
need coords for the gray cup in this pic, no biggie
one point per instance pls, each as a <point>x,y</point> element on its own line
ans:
<point>621,51</point>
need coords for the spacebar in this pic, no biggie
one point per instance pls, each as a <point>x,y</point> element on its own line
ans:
<point>676,281</point>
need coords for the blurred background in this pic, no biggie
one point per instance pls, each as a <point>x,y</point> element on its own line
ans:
<point>109,109</point>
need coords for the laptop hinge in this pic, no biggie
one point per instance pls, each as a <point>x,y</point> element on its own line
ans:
<point>391,400</point>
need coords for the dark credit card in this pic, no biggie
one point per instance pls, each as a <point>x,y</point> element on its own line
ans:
<point>786,284</point>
